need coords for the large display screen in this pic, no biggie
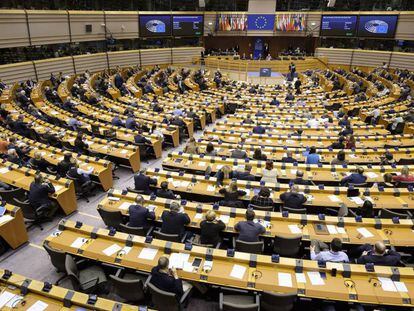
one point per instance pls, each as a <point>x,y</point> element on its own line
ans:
<point>378,26</point>
<point>154,25</point>
<point>188,25</point>
<point>338,25</point>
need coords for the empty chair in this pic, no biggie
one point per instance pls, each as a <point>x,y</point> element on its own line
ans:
<point>386,213</point>
<point>287,246</point>
<point>111,218</point>
<point>261,208</point>
<point>130,287</point>
<point>249,247</point>
<point>234,300</point>
<point>405,161</point>
<point>32,216</point>
<point>89,280</point>
<point>168,237</point>
<point>133,230</point>
<point>166,301</point>
<point>16,193</point>
<point>292,210</point>
<point>81,190</point>
<point>58,258</point>
<point>129,189</point>
<point>270,301</point>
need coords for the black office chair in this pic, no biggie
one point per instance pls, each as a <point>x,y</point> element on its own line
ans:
<point>249,247</point>
<point>271,301</point>
<point>58,258</point>
<point>386,213</point>
<point>135,230</point>
<point>238,300</point>
<point>168,237</point>
<point>293,210</point>
<point>405,161</point>
<point>166,301</point>
<point>82,190</point>
<point>89,280</point>
<point>399,129</point>
<point>32,217</point>
<point>287,246</point>
<point>16,193</point>
<point>129,189</point>
<point>111,218</point>
<point>261,208</point>
<point>129,287</point>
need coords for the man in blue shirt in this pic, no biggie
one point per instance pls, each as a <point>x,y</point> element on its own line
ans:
<point>258,129</point>
<point>275,102</point>
<point>130,123</point>
<point>249,231</point>
<point>319,251</point>
<point>312,157</point>
<point>355,178</point>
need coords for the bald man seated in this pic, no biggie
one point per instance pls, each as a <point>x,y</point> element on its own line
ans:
<point>379,255</point>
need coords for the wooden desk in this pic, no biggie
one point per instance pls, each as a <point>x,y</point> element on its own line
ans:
<point>204,187</point>
<point>22,177</point>
<point>58,298</point>
<point>392,234</point>
<point>12,227</point>
<point>260,273</point>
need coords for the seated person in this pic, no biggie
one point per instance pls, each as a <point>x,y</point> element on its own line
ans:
<point>312,157</point>
<point>141,139</point>
<point>13,157</point>
<point>258,155</point>
<point>355,178</point>
<point>166,279</point>
<point>130,123</point>
<point>387,183</point>
<point>142,182</point>
<point>319,251</point>
<point>39,192</point>
<point>210,229</point>
<point>258,129</point>
<point>404,176</point>
<point>64,165</point>
<point>288,158</point>
<point>246,175</point>
<point>262,198</point>
<point>139,215</point>
<point>38,163</point>
<point>338,144</point>
<point>387,159</point>
<point>83,176</point>
<point>347,131</point>
<point>293,199</point>
<point>232,194</point>
<point>174,221</point>
<point>366,210</point>
<point>116,121</point>
<point>238,153</point>
<point>210,150</point>
<point>223,174</point>
<point>248,120</point>
<point>299,179</point>
<point>191,146</point>
<point>340,159</point>
<point>164,192</point>
<point>378,255</point>
<point>248,230</point>
<point>269,173</point>
<point>80,144</point>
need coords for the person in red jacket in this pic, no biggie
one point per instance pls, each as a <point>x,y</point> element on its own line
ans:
<point>404,176</point>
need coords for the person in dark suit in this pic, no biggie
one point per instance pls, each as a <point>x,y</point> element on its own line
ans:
<point>80,145</point>
<point>173,221</point>
<point>248,230</point>
<point>20,127</point>
<point>232,194</point>
<point>166,279</point>
<point>140,139</point>
<point>143,182</point>
<point>210,229</point>
<point>378,255</point>
<point>246,175</point>
<point>116,121</point>
<point>130,123</point>
<point>139,215</point>
<point>293,199</point>
<point>38,163</point>
<point>238,153</point>
<point>118,80</point>
<point>39,192</point>
<point>299,179</point>
<point>64,166</point>
<point>164,192</point>
<point>258,129</point>
<point>355,178</point>
<point>288,158</point>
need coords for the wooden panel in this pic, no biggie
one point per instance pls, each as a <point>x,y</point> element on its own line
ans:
<point>155,56</point>
<point>402,60</point>
<point>17,72</point>
<point>370,58</point>
<point>78,20</point>
<point>13,29</point>
<point>123,25</point>
<point>124,58</point>
<point>92,62</point>
<point>48,27</point>
<point>405,26</point>
<point>335,56</point>
<point>54,65</point>
<point>186,55</point>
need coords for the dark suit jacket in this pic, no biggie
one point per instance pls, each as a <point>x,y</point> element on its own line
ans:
<point>166,282</point>
<point>139,215</point>
<point>143,182</point>
<point>166,194</point>
<point>174,223</point>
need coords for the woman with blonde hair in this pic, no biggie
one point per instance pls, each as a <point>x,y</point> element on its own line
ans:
<point>232,194</point>
<point>191,147</point>
<point>404,176</point>
<point>223,174</point>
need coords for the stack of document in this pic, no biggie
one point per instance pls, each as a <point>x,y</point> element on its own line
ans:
<point>389,285</point>
<point>148,253</point>
<point>178,260</point>
<point>238,272</point>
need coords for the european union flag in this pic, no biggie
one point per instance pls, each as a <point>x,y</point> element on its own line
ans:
<point>260,21</point>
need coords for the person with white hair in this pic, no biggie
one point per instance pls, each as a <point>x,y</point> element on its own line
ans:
<point>174,220</point>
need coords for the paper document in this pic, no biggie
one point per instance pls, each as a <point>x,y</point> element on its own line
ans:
<point>238,272</point>
<point>185,183</point>
<point>295,229</point>
<point>126,250</point>
<point>401,287</point>
<point>300,278</point>
<point>176,183</point>
<point>113,199</point>
<point>177,260</point>
<point>5,218</point>
<point>38,306</point>
<point>334,198</point>
<point>188,266</point>
<point>57,187</point>
<point>211,188</point>
<point>387,284</point>
<point>341,230</point>
<point>332,229</point>
<point>5,297</point>
<point>114,248</point>
<point>365,232</point>
<point>315,278</point>
<point>4,170</point>
<point>148,253</point>
<point>125,205</point>
<point>285,279</point>
<point>198,216</point>
<point>225,218</point>
<point>123,151</point>
<point>371,174</point>
<point>357,200</point>
<point>202,164</point>
<point>78,242</point>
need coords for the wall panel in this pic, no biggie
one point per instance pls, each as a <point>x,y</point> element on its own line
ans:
<point>48,27</point>
<point>155,56</point>
<point>124,58</point>
<point>17,72</point>
<point>78,20</point>
<point>335,56</point>
<point>13,29</point>
<point>123,25</point>
<point>185,55</point>
<point>91,62</point>
<point>54,65</point>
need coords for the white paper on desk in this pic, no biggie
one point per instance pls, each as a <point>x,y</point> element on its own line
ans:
<point>401,287</point>
<point>293,172</point>
<point>219,166</point>
<point>202,164</point>
<point>387,284</point>
<point>285,279</point>
<point>126,250</point>
<point>365,232</point>
<point>208,265</point>
<point>315,278</point>
<point>123,151</point>
<point>38,306</point>
<point>5,297</point>
<point>371,174</point>
<point>211,188</point>
<point>177,260</point>
<point>188,266</point>
<point>332,229</point>
<point>334,198</point>
<point>247,192</point>
<point>5,218</point>
<point>57,187</point>
<point>341,230</point>
<point>357,200</point>
<point>114,248</point>
<point>300,278</point>
<point>113,199</point>
<point>124,205</point>
<point>185,183</point>
<point>198,216</point>
<point>352,156</point>
<point>4,170</point>
<point>151,208</point>
<point>295,229</point>
<point>225,218</point>
<point>78,242</point>
<point>13,301</point>
<point>176,183</point>
<point>148,253</point>
<point>238,272</point>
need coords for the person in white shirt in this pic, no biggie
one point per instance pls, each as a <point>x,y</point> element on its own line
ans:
<point>269,174</point>
<point>313,123</point>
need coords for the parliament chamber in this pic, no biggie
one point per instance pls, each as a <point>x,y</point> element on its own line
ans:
<point>207,155</point>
